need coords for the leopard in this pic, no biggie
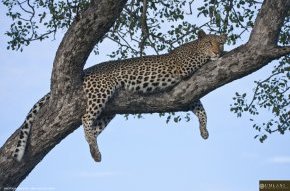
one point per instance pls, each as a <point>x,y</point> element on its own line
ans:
<point>145,75</point>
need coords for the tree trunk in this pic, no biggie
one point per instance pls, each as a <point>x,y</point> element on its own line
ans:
<point>62,115</point>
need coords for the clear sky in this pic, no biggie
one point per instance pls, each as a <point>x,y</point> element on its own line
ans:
<point>145,154</point>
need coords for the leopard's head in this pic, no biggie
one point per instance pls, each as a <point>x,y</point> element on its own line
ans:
<point>211,45</point>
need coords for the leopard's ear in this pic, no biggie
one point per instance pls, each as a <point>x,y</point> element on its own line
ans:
<point>201,34</point>
<point>224,38</point>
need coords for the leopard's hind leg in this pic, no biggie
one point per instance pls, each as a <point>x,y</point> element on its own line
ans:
<point>91,134</point>
<point>97,98</point>
<point>198,109</point>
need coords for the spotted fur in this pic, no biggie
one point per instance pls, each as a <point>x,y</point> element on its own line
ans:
<point>26,127</point>
<point>147,74</point>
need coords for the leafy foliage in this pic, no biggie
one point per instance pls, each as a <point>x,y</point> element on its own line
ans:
<point>168,23</point>
<point>160,15</point>
<point>230,16</point>
<point>272,94</point>
<point>39,19</point>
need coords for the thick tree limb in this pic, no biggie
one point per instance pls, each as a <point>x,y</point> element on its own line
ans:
<point>79,42</point>
<point>265,31</point>
<point>62,115</point>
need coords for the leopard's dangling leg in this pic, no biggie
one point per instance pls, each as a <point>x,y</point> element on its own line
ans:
<point>199,111</point>
<point>91,134</point>
<point>97,99</point>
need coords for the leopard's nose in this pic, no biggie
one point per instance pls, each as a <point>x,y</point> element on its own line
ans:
<point>216,52</point>
<point>215,56</point>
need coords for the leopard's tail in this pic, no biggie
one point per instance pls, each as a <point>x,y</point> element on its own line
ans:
<point>26,127</point>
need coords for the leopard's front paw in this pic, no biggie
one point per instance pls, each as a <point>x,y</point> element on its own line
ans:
<point>204,133</point>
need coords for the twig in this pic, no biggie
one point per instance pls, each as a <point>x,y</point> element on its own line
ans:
<point>25,10</point>
<point>144,27</point>
<point>259,84</point>
<point>124,45</point>
<point>190,9</point>
<point>152,45</point>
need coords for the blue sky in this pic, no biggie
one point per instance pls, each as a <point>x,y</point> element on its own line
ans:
<point>145,154</point>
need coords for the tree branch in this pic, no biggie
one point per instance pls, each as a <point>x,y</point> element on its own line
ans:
<point>79,42</point>
<point>268,23</point>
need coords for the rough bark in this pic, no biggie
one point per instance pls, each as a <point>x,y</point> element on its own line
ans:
<point>63,113</point>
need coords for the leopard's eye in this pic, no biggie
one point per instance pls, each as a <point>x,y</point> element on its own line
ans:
<point>211,43</point>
